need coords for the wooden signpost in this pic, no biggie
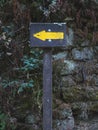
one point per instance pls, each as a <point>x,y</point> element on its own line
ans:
<point>47,36</point>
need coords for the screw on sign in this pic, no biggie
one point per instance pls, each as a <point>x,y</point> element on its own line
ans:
<point>47,36</point>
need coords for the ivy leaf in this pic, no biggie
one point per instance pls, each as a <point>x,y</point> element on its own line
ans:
<point>29,84</point>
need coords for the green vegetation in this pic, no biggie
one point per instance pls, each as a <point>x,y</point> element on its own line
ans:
<point>20,65</point>
<point>3,119</point>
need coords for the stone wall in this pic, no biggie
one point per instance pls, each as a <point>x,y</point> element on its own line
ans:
<point>75,79</point>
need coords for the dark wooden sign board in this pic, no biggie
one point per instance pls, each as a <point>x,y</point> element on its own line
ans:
<point>47,36</point>
<point>53,34</point>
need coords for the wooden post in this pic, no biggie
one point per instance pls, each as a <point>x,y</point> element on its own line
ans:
<point>47,89</point>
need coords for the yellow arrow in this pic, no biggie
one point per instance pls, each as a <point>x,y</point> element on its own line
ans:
<point>43,35</point>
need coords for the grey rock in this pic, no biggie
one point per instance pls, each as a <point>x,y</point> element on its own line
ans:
<point>82,126</point>
<point>63,117</point>
<point>91,67</point>
<point>88,125</point>
<point>85,43</point>
<point>84,54</point>
<point>67,81</point>
<point>69,37</point>
<point>92,79</point>
<point>68,68</point>
<point>77,55</point>
<point>30,119</point>
<point>84,111</point>
<point>96,1</point>
<point>60,56</point>
<point>67,124</point>
<point>94,126</point>
<point>96,51</point>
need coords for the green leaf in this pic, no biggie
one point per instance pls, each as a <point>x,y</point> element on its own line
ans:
<point>29,84</point>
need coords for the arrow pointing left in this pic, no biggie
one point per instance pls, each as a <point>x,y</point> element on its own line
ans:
<point>43,35</point>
